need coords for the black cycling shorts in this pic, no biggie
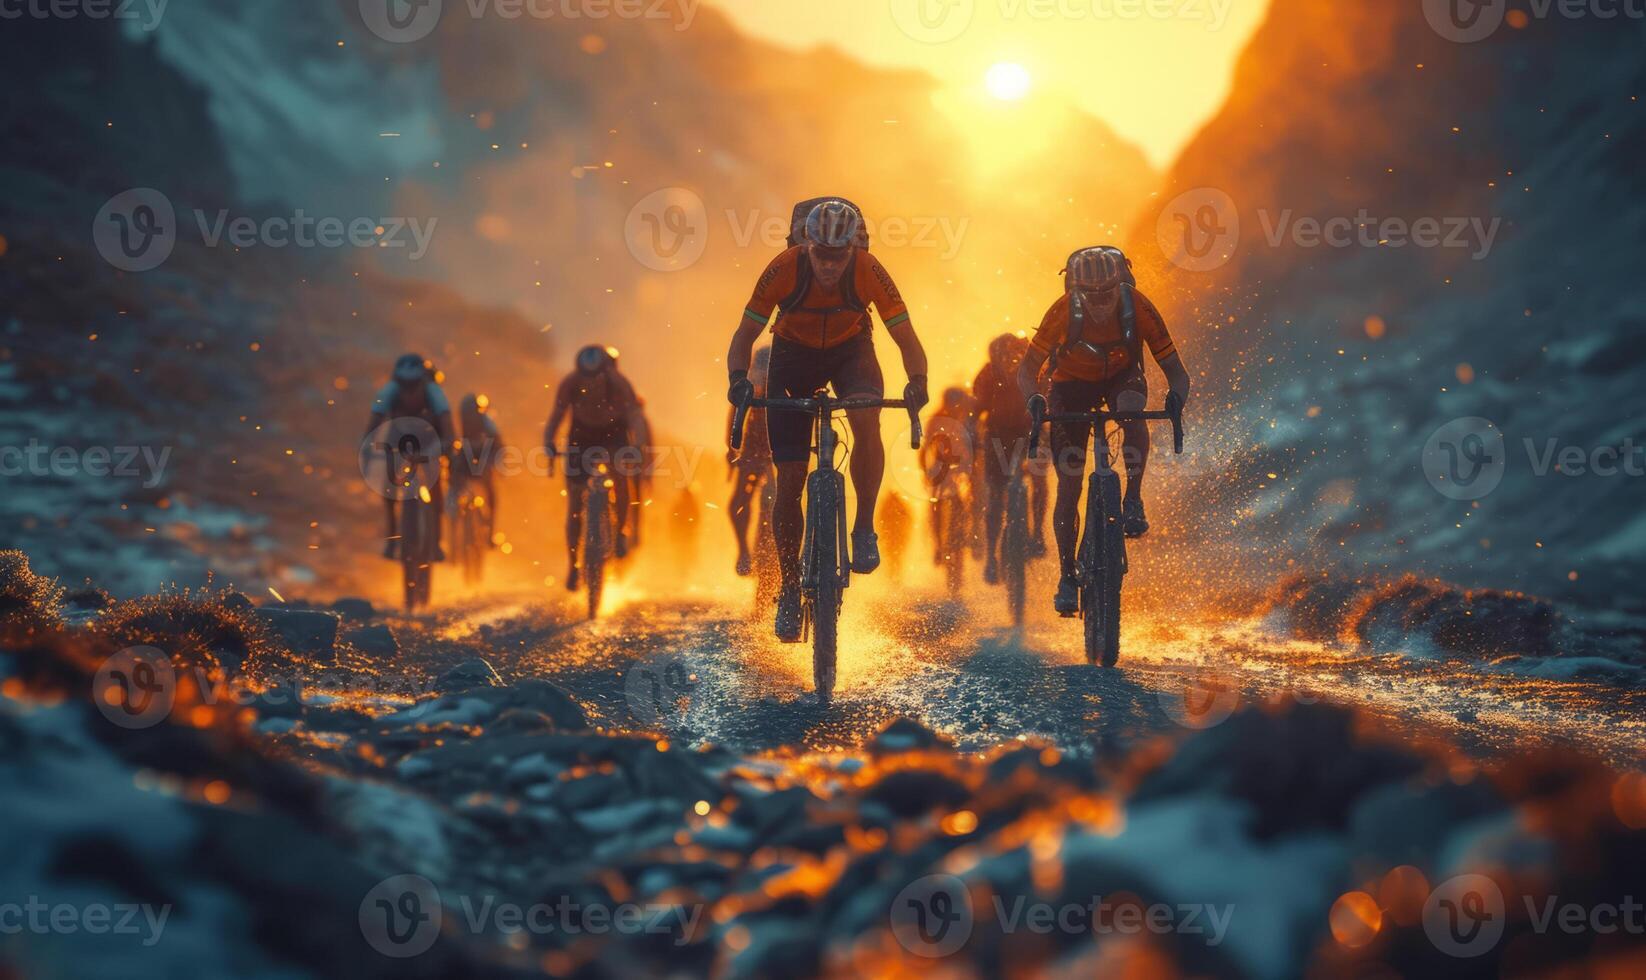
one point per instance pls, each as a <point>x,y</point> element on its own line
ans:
<point>587,449</point>
<point>1069,439</point>
<point>798,371</point>
<point>1000,451</point>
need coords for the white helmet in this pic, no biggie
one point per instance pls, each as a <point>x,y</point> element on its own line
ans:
<point>833,224</point>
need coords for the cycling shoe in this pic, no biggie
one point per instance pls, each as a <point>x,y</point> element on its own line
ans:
<point>787,626</point>
<point>1067,602</point>
<point>865,552</point>
<point>1132,520</point>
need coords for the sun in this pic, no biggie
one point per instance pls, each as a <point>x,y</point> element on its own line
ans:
<point>1008,81</point>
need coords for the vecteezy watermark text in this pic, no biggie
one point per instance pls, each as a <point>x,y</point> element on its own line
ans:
<point>402,916</point>
<point>934,916</point>
<point>406,21</point>
<point>136,230</point>
<point>42,918</point>
<point>145,13</point>
<point>37,459</point>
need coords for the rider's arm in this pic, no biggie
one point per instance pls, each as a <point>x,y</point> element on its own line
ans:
<point>1028,373</point>
<point>775,283</point>
<point>1152,326</point>
<point>562,405</point>
<point>875,285</point>
<point>1050,335</point>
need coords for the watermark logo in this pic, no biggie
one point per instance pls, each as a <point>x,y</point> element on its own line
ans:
<point>135,688</point>
<point>136,230</point>
<point>1465,21</point>
<point>932,916</point>
<point>1465,458</point>
<point>37,459</point>
<point>1199,230</point>
<point>1202,699</point>
<point>668,230</point>
<point>1464,916</point>
<point>41,918</point>
<point>933,21</point>
<point>401,21</point>
<point>660,692</point>
<point>401,916</point>
<point>400,459</point>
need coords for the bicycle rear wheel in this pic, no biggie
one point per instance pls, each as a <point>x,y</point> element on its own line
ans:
<point>823,575</point>
<point>1014,549</point>
<point>1103,561</point>
<point>596,543</point>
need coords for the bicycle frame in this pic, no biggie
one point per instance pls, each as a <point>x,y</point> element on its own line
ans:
<point>1102,547</point>
<point>821,587</point>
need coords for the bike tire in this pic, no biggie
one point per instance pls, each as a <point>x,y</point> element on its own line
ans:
<point>955,545</point>
<point>1104,567</point>
<point>1014,550</point>
<point>416,552</point>
<point>596,541</point>
<point>825,513</point>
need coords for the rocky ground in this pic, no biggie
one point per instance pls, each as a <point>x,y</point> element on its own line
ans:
<point>329,791</point>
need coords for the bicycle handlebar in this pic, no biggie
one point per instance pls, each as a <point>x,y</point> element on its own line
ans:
<point>812,406</point>
<point>1173,414</point>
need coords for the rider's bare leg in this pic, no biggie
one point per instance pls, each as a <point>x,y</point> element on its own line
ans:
<point>788,527</point>
<point>620,499</point>
<point>1037,503</point>
<point>741,509</point>
<point>994,515</point>
<point>868,465</point>
<point>1071,480</point>
<point>1135,451</point>
<point>576,490</point>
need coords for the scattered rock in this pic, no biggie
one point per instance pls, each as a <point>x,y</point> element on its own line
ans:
<point>905,735</point>
<point>306,632</point>
<point>354,608</point>
<point>238,600</point>
<point>377,640</point>
<point>470,674</point>
<point>910,792</point>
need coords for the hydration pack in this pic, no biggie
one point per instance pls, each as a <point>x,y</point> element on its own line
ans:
<point>803,271</point>
<point>1112,259</point>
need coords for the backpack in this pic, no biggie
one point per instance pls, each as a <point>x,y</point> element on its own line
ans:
<point>803,272</point>
<point>1077,307</point>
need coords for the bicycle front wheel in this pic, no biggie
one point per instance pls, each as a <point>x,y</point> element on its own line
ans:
<point>825,513</point>
<point>1104,566</point>
<point>596,544</point>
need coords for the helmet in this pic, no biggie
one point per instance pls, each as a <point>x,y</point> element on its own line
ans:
<point>595,358</point>
<point>833,224</point>
<point>411,369</point>
<point>1007,347</point>
<point>1098,269</point>
<point>954,399</point>
<point>475,405</point>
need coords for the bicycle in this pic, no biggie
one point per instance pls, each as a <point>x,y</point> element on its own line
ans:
<point>952,526</point>
<point>417,525</point>
<point>825,554</point>
<point>599,527</point>
<point>471,522</point>
<point>1102,556</point>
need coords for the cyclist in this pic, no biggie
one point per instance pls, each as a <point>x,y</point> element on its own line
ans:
<point>947,453</point>
<point>1098,364</point>
<point>822,288</point>
<point>752,466</point>
<point>413,393</point>
<point>605,416</point>
<point>478,456</point>
<point>1003,423</point>
<point>637,467</point>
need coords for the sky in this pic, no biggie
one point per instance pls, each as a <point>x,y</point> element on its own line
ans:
<point>1154,70</point>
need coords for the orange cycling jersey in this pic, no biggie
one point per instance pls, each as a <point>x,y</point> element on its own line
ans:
<point>1080,363</point>
<point>823,318</point>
